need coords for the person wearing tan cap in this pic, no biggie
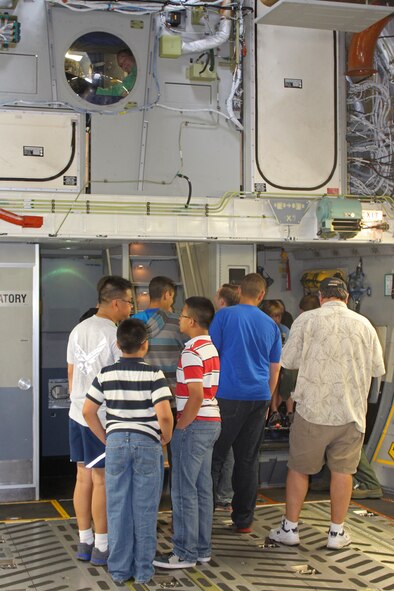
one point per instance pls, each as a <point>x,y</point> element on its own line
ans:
<point>337,352</point>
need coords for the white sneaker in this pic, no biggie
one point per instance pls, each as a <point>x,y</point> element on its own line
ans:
<point>337,540</point>
<point>289,537</point>
<point>171,560</point>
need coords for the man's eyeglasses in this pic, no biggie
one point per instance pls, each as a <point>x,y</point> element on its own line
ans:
<point>126,301</point>
<point>184,316</point>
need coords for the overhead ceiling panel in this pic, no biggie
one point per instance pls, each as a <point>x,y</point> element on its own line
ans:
<point>321,14</point>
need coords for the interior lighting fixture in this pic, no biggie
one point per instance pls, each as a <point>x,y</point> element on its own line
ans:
<point>74,56</point>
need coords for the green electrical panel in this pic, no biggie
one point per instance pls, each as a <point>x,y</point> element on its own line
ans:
<point>337,215</point>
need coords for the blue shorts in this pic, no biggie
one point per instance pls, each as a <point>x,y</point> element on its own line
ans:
<point>85,447</point>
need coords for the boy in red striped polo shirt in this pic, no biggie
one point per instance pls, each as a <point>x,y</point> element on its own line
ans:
<point>197,429</point>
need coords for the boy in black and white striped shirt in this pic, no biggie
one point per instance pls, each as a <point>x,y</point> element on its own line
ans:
<point>138,422</point>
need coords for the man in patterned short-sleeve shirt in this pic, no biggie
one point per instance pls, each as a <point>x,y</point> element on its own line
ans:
<point>337,352</point>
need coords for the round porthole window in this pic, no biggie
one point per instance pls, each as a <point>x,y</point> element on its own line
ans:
<point>100,68</point>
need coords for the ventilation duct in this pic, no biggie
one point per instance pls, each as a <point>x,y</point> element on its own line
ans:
<point>362,49</point>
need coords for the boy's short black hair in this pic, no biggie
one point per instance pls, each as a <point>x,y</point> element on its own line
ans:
<point>201,310</point>
<point>131,334</point>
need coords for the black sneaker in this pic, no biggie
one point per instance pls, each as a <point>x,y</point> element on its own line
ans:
<point>173,561</point>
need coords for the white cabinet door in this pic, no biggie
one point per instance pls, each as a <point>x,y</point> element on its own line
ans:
<point>18,377</point>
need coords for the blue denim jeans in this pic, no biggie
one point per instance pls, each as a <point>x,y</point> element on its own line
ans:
<point>243,423</point>
<point>191,492</point>
<point>134,480</point>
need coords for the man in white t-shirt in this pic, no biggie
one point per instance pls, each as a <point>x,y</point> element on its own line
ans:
<point>91,346</point>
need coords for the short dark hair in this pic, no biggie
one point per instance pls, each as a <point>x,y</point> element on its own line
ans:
<point>201,310</point>
<point>112,287</point>
<point>252,285</point>
<point>131,335</point>
<point>126,51</point>
<point>159,285</point>
<point>308,302</point>
<point>229,292</point>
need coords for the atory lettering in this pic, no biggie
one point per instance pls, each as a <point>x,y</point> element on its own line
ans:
<point>12,298</point>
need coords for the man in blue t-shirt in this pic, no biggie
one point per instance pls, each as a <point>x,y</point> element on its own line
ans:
<point>249,345</point>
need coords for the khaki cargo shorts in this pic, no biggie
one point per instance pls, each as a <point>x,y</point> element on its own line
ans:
<point>313,445</point>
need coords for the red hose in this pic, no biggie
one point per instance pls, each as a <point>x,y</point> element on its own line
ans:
<point>26,221</point>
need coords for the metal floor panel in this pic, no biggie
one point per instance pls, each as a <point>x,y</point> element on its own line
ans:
<point>39,556</point>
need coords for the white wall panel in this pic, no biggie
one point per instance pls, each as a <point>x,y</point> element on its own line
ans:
<point>148,146</point>
<point>25,69</point>
<point>37,145</point>
<point>115,152</point>
<point>296,137</point>
<point>20,71</point>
